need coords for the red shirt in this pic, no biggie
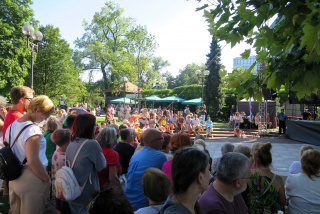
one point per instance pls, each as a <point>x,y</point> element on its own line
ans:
<point>112,158</point>
<point>10,118</point>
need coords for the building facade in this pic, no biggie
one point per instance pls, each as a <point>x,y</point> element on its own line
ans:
<point>239,62</point>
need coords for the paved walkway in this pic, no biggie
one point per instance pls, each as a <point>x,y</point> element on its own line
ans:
<point>284,151</point>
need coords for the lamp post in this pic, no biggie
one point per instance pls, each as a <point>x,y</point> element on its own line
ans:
<point>206,73</point>
<point>28,31</point>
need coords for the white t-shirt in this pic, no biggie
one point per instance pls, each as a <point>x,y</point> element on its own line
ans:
<point>19,148</point>
<point>195,121</point>
<point>303,193</point>
<point>295,167</point>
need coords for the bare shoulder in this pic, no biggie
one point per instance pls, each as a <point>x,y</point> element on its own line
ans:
<point>278,182</point>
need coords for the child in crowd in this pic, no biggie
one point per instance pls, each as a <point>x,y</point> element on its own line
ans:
<point>238,132</point>
<point>61,137</point>
<point>181,122</point>
<point>201,122</point>
<point>208,126</point>
<point>169,125</point>
<point>188,126</point>
<point>156,187</point>
<point>163,123</point>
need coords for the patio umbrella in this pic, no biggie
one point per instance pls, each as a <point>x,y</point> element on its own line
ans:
<point>172,99</point>
<point>153,98</point>
<point>79,110</point>
<point>196,101</point>
<point>122,100</point>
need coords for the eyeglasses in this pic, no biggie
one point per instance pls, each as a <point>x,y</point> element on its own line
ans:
<point>30,99</point>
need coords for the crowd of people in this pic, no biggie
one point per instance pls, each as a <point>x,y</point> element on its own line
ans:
<point>164,119</point>
<point>121,170</point>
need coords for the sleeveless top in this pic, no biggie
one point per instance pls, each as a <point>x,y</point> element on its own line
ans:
<point>259,203</point>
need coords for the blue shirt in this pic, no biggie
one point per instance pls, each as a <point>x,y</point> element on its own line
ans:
<point>140,161</point>
<point>282,116</point>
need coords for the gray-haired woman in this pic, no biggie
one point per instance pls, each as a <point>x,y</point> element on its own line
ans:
<point>109,176</point>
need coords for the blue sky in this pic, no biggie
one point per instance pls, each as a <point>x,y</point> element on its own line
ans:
<point>180,32</point>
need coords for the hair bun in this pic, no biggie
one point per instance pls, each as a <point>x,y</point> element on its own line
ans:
<point>266,147</point>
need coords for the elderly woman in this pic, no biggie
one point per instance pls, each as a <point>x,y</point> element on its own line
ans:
<point>90,160</point>
<point>295,167</point>
<point>51,125</point>
<point>28,193</point>
<point>109,176</point>
<point>227,147</point>
<point>266,191</point>
<point>303,189</point>
<point>177,141</point>
<point>190,175</point>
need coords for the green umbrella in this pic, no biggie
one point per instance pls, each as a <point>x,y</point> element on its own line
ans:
<point>172,99</point>
<point>152,98</point>
<point>196,101</point>
<point>122,100</point>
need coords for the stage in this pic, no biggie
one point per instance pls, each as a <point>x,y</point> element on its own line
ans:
<point>307,131</point>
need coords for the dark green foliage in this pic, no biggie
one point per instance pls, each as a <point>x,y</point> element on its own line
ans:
<point>213,95</point>
<point>230,99</point>
<point>157,92</point>
<point>186,92</point>
<point>14,54</point>
<point>54,71</point>
<point>290,48</point>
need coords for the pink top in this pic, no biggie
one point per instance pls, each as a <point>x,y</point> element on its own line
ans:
<point>166,168</point>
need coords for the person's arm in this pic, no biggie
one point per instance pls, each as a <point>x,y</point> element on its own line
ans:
<point>32,155</point>
<point>113,176</point>
<point>282,195</point>
<point>1,125</point>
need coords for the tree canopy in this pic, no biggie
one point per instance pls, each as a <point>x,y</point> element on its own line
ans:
<point>116,46</point>
<point>14,54</point>
<point>290,47</point>
<point>54,71</point>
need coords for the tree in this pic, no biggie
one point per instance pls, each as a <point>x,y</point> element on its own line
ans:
<point>14,54</point>
<point>55,73</point>
<point>214,97</point>
<point>290,47</point>
<point>102,45</point>
<point>142,46</point>
<point>187,76</point>
<point>170,79</point>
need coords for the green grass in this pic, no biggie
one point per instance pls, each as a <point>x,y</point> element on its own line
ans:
<point>219,125</point>
<point>102,119</point>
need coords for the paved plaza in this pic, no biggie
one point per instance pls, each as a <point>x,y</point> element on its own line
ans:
<point>284,151</point>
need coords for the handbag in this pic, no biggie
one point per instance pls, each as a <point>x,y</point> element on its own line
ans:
<point>10,166</point>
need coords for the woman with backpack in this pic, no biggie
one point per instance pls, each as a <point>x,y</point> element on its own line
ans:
<point>29,148</point>
<point>88,161</point>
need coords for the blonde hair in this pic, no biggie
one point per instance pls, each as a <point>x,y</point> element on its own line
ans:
<point>255,146</point>
<point>156,185</point>
<point>310,163</point>
<point>43,103</point>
